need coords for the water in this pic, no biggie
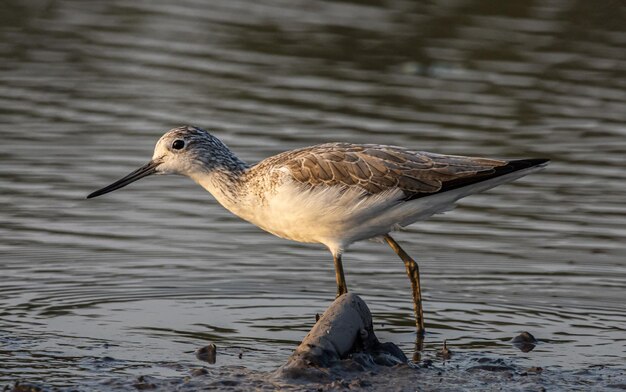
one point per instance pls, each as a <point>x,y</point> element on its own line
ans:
<point>132,282</point>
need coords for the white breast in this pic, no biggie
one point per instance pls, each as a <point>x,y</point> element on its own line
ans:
<point>327,215</point>
<point>337,216</point>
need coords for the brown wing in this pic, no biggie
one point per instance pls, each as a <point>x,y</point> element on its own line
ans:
<point>378,168</point>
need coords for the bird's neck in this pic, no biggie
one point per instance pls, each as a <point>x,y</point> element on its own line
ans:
<point>226,182</point>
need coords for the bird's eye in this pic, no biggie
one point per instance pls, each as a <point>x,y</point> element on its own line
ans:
<point>178,144</point>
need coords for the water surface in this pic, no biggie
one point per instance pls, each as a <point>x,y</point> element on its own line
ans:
<point>132,282</point>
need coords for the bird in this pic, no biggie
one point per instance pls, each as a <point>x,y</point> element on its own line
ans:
<point>333,194</point>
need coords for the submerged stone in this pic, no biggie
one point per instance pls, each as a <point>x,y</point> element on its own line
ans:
<point>207,353</point>
<point>525,341</point>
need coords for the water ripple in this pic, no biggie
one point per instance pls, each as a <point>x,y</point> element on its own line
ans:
<point>134,282</point>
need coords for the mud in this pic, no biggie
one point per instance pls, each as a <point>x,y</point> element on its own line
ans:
<point>342,353</point>
<point>465,372</point>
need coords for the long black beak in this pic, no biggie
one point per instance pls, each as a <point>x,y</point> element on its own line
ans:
<point>142,172</point>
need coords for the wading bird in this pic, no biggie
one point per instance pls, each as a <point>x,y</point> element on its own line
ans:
<point>333,194</point>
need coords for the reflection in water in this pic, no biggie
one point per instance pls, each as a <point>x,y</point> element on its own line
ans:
<point>132,283</point>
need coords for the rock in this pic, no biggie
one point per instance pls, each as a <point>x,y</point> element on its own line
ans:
<point>199,372</point>
<point>144,383</point>
<point>207,353</point>
<point>525,341</point>
<point>343,330</point>
<point>24,387</point>
<point>445,353</point>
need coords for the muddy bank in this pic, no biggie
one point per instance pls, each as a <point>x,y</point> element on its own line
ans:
<point>464,371</point>
<point>341,352</point>
<point>499,376</point>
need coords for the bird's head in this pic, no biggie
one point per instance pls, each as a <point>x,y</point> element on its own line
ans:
<point>185,150</point>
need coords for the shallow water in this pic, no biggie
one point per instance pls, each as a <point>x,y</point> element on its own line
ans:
<point>132,282</point>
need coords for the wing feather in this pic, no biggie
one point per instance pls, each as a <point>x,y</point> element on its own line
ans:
<point>378,168</point>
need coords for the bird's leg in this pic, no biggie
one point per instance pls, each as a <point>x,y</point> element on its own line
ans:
<point>342,288</point>
<point>412,270</point>
<point>419,348</point>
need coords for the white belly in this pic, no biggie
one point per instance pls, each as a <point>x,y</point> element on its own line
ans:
<point>331,216</point>
<point>336,216</point>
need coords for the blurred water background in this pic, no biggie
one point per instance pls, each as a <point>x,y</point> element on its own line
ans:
<point>132,282</point>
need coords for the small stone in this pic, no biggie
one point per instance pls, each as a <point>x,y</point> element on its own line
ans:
<point>143,384</point>
<point>445,353</point>
<point>525,341</point>
<point>19,387</point>
<point>199,372</point>
<point>207,353</point>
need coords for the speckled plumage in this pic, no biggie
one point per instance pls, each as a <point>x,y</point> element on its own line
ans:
<point>209,152</point>
<point>375,168</point>
<point>334,194</point>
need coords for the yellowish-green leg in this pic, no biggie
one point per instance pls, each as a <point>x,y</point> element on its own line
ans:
<point>342,287</point>
<point>412,270</point>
